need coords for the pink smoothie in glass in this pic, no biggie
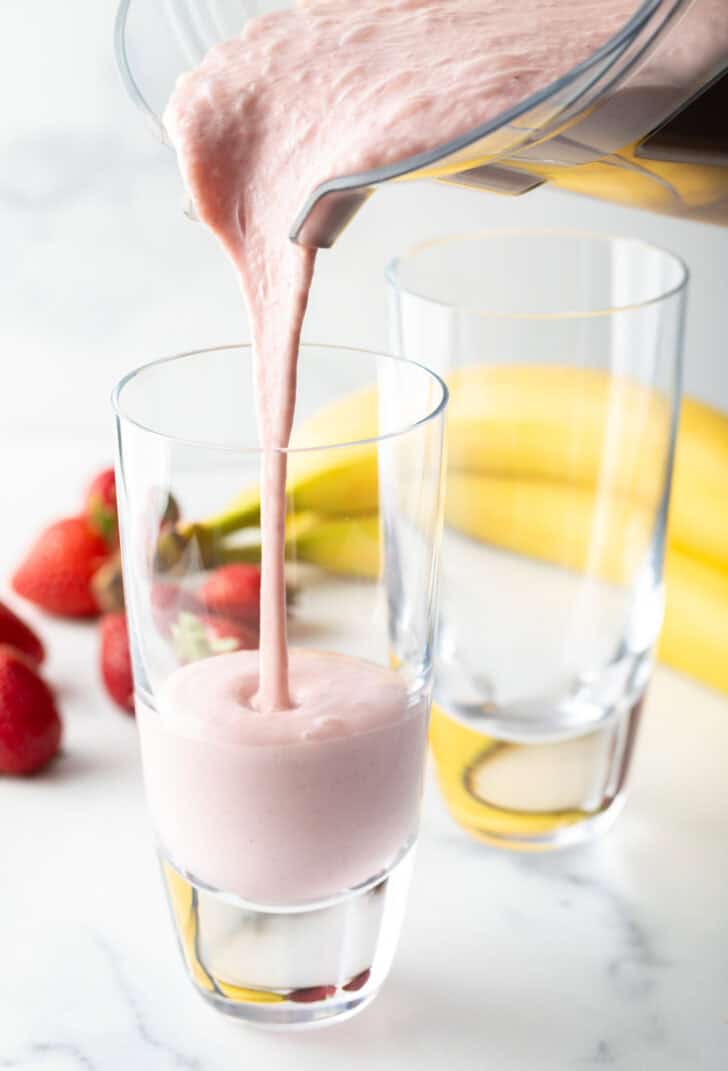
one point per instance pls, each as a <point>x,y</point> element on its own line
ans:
<point>291,807</point>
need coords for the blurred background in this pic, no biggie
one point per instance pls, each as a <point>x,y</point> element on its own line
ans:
<point>101,271</point>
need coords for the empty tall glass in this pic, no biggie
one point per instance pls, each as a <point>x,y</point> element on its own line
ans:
<point>562,353</point>
<point>286,837</point>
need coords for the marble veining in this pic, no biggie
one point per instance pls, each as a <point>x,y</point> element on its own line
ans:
<point>610,956</point>
<point>69,1054</point>
<point>603,1055</point>
<point>143,1031</point>
<point>635,971</point>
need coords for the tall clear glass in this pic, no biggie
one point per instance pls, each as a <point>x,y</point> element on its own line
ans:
<point>562,352</point>
<point>285,839</point>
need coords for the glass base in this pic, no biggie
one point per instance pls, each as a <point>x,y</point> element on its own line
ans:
<point>290,1016</point>
<point>288,967</point>
<point>534,796</point>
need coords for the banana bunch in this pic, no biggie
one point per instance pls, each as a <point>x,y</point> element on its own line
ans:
<point>562,464</point>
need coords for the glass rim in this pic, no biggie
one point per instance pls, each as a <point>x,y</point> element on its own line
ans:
<point>125,418</point>
<point>391,271</point>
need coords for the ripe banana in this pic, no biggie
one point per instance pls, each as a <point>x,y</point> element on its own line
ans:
<point>582,426</point>
<point>349,547</point>
<point>699,504</point>
<point>571,425</point>
<point>694,635</point>
<point>562,464</point>
<point>603,535</point>
<point>345,481</point>
<point>578,425</point>
<point>553,523</point>
<point>345,546</point>
<point>561,524</point>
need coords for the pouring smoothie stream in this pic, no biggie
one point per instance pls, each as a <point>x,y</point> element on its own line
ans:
<point>333,88</point>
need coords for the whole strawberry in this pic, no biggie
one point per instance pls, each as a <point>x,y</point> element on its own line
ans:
<point>115,660</point>
<point>56,574</point>
<point>30,728</point>
<point>15,633</point>
<point>100,507</point>
<point>233,590</point>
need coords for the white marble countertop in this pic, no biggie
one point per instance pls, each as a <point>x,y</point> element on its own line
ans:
<point>611,956</point>
<point>614,956</point>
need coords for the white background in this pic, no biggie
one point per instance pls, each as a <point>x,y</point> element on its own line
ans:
<point>99,270</point>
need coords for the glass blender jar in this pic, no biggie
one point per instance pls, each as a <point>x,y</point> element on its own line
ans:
<point>640,122</point>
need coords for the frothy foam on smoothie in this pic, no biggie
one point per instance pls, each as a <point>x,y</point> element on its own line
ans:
<point>288,808</point>
<point>329,88</point>
<point>332,696</point>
